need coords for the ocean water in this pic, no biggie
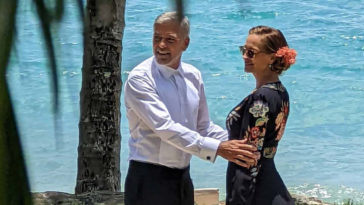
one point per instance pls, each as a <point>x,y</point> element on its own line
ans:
<point>321,153</point>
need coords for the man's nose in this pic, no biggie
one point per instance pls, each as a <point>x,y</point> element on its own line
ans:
<point>162,44</point>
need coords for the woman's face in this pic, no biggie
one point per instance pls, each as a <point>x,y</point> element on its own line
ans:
<point>256,61</point>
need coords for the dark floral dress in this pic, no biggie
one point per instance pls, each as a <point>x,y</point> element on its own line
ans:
<point>261,118</point>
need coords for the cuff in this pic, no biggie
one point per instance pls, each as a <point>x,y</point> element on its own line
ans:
<point>208,148</point>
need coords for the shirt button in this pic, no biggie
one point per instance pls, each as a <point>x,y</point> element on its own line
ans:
<point>208,157</point>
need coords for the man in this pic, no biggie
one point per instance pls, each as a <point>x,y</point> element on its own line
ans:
<point>168,121</point>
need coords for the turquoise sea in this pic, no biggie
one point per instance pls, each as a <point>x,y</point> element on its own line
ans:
<point>321,153</point>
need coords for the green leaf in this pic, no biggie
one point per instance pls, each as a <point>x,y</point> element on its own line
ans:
<point>14,186</point>
<point>45,19</point>
<point>260,122</point>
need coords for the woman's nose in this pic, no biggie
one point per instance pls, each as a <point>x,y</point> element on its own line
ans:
<point>244,56</point>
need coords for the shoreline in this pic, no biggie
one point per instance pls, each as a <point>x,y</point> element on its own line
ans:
<point>208,196</point>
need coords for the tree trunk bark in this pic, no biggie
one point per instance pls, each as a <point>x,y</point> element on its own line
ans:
<point>99,126</point>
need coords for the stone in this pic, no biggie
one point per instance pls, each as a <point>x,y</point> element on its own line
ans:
<point>208,196</point>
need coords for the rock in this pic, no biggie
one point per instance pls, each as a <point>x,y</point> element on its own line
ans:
<point>94,198</point>
<point>208,196</point>
<point>305,200</point>
<point>52,197</point>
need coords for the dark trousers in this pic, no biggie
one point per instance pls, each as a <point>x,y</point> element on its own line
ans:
<point>150,184</point>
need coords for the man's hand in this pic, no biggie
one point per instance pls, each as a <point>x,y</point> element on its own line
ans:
<point>239,152</point>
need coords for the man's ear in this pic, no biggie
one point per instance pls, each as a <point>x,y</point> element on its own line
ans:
<point>186,43</point>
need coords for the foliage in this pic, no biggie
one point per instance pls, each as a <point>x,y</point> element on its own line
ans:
<point>349,202</point>
<point>14,185</point>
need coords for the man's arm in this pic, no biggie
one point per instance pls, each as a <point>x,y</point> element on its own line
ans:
<point>204,125</point>
<point>142,98</point>
<point>236,151</point>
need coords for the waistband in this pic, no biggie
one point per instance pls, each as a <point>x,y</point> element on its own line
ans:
<point>158,169</point>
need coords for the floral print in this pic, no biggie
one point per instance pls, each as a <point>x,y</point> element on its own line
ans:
<point>260,119</point>
<point>281,120</point>
<point>260,143</point>
<point>269,152</point>
<point>256,113</point>
<point>255,132</point>
<point>259,109</point>
<point>278,87</point>
<point>233,116</point>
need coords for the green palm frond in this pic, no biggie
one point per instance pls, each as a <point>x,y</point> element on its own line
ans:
<point>45,18</point>
<point>179,8</point>
<point>59,10</point>
<point>14,186</point>
<point>81,9</point>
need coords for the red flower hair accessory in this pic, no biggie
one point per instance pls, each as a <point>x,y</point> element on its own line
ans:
<point>288,55</point>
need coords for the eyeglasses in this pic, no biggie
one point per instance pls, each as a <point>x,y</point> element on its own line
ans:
<point>249,52</point>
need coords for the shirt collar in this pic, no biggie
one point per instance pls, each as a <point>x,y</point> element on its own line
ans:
<point>167,71</point>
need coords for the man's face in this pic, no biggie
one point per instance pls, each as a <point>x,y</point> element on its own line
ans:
<point>168,44</point>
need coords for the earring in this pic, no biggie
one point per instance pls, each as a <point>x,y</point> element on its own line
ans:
<point>270,66</point>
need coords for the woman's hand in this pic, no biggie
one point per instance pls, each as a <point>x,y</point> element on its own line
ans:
<point>239,152</point>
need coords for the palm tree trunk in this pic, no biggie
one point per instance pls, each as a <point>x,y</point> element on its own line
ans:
<point>99,126</point>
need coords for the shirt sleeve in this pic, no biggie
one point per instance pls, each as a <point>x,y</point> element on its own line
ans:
<point>204,125</point>
<point>142,98</point>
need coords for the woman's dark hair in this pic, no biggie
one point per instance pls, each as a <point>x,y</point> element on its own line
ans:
<point>272,40</point>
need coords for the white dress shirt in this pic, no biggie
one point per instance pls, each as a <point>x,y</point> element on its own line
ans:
<point>168,115</point>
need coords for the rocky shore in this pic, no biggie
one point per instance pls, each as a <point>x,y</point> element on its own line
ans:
<point>202,197</point>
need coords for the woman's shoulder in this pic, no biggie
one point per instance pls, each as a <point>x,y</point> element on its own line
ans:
<point>269,89</point>
<point>272,94</point>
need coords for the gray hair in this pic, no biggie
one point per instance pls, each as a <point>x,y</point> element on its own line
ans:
<point>172,16</point>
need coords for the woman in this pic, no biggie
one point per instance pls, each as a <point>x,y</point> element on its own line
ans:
<point>261,119</point>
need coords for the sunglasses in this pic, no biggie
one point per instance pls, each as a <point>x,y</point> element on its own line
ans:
<point>249,52</point>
